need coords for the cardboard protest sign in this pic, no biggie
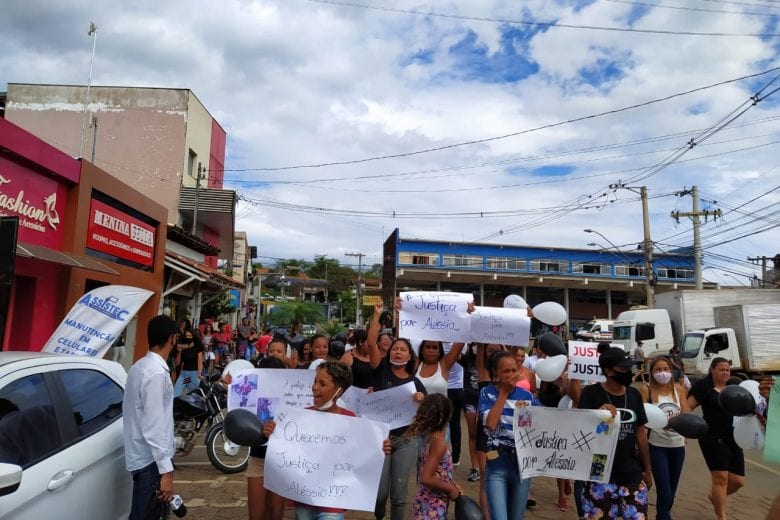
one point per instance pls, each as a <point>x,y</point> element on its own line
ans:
<point>437,316</point>
<point>393,407</point>
<point>312,459</point>
<point>500,325</point>
<point>772,436</point>
<point>571,444</point>
<point>96,320</point>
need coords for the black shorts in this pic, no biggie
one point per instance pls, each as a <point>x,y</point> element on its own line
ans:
<point>482,438</point>
<point>723,455</point>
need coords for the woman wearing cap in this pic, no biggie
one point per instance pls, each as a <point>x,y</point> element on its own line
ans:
<point>625,492</point>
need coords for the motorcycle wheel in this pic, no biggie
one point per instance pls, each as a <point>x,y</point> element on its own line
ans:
<point>220,459</point>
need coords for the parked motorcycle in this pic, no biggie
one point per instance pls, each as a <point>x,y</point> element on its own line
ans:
<point>202,407</point>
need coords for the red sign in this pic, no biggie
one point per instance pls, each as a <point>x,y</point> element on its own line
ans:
<point>116,233</point>
<point>38,200</point>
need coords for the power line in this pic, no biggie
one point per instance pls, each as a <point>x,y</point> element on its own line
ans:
<point>696,9</point>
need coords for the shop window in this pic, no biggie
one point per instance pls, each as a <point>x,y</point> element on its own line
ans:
<point>462,261</point>
<point>510,264</point>
<point>408,257</point>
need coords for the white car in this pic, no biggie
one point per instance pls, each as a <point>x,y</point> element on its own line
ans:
<point>61,447</point>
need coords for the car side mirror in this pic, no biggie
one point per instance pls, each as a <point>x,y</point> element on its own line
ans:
<point>10,478</point>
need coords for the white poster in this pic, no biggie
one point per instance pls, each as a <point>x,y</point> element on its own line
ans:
<point>96,320</point>
<point>571,444</point>
<point>584,362</point>
<point>312,459</point>
<point>437,316</point>
<point>393,407</point>
<point>351,399</point>
<point>500,325</point>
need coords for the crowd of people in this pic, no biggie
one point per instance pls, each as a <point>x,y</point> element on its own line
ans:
<point>484,383</point>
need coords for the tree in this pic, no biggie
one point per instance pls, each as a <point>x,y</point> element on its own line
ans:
<point>294,313</point>
<point>331,328</point>
<point>374,273</point>
<point>347,302</point>
<point>339,277</point>
<point>219,308</point>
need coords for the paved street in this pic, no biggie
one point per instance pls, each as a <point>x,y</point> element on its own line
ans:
<point>211,494</point>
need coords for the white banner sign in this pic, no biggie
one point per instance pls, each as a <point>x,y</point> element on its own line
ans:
<point>500,325</point>
<point>437,316</point>
<point>312,459</point>
<point>571,444</point>
<point>96,320</point>
<point>393,407</point>
<point>584,361</point>
<point>265,390</point>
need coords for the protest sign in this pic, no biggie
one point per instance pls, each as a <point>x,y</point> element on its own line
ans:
<point>500,325</point>
<point>312,459</point>
<point>264,390</point>
<point>584,361</point>
<point>571,444</point>
<point>392,407</point>
<point>437,316</point>
<point>96,321</point>
<point>772,436</point>
<point>351,398</point>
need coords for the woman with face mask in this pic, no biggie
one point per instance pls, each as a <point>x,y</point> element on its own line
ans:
<point>189,361</point>
<point>667,448</point>
<point>625,494</point>
<point>396,368</point>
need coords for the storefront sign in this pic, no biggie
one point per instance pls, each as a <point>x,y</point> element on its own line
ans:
<point>96,320</point>
<point>38,201</point>
<point>116,233</point>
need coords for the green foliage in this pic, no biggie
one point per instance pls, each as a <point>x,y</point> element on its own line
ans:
<point>347,300</point>
<point>339,277</point>
<point>331,328</point>
<point>219,308</point>
<point>374,273</point>
<point>294,313</point>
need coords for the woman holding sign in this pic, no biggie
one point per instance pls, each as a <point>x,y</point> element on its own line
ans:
<point>396,368</point>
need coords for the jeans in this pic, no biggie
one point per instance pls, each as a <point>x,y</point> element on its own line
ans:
<point>579,488</point>
<point>394,483</point>
<point>456,398</point>
<point>250,352</point>
<point>192,385</point>
<point>311,513</point>
<point>507,493</point>
<point>667,466</point>
<point>146,483</point>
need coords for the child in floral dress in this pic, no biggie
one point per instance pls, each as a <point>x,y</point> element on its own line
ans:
<point>435,485</point>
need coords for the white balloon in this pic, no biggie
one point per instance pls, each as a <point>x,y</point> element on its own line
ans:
<point>551,368</point>
<point>565,403</point>
<point>550,313</point>
<point>752,387</point>
<point>514,301</point>
<point>748,433</point>
<point>236,366</point>
<point>656,418</point>
<point>314,364</point>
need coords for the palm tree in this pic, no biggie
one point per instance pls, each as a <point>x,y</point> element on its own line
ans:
<point>331,328</point>
<point>295,313</point>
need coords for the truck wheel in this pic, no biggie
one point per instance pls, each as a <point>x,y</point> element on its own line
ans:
<point>223,456</point>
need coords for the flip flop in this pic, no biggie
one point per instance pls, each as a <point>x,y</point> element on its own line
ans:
<point>562,505</point>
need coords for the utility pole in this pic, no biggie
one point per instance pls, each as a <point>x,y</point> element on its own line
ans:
<point>91,32</point>
<point>359,302</point>
<point>93,123</point>
<point>648,243</point>
<point>197,196</point>
<point>763,261</point>
<point>694,216</point>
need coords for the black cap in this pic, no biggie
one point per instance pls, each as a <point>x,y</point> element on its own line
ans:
<point>614,357</point>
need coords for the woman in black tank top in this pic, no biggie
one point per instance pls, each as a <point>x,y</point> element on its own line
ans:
<point>357,360</point>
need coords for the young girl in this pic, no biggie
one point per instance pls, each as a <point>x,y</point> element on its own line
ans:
<point>667,448</point>
<point>436,486</point>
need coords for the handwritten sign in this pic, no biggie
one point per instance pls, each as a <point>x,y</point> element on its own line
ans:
<point>772,436</point>
<point>575,444</point>
<point>392,407</point>
<point>437,316</point>
<point>312,459</point>
<point>500,325</point>
<point>264,390</point>
<point>351,398</point>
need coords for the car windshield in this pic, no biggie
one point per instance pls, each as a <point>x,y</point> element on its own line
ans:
<point>691,345</point>
<point>621,332</point>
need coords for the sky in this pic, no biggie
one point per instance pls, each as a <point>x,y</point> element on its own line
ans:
<point>464,120</point>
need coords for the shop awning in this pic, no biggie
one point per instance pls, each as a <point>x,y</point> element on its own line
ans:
<point>58,257</point>
<point>194,271</point>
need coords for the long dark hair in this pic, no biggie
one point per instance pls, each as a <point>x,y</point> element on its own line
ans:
<point>433,415</point>
<point>438,344</point>
<point>495,359</point>
<point>411,365</point>
<point>715,362</point>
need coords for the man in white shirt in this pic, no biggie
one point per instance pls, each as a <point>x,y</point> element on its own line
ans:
<point>147,414</point>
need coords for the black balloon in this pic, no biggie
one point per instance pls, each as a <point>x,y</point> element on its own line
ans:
<point>243,427</point>
<point>737,400</point>
<point>689,425</point>
<point>297,340</point>
<point>551,344</point>
<point>467,508</point>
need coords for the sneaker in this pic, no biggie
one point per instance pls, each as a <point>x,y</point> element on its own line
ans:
<point>456,463</point>
<point>473,475</point>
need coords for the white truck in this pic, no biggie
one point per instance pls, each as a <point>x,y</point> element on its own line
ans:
<point>596,330</point>
<point>650,326</point>
<point>746,335</point>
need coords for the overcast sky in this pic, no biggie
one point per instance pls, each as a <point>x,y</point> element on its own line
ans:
<point>302,83</point>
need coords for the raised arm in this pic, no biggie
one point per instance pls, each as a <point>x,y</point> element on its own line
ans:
<point>374,354</point>
<point>482,371</point>
<point>449,360</point>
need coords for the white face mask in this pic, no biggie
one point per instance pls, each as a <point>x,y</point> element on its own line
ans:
<point>399,363</point>
<point>662,377</point>
<point>330,402</point>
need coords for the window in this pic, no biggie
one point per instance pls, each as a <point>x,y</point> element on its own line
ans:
<point>590,268</point>
<point>629,270</point>
<point>555,266</point>
<point>676,273</point>
<point>463,261</point>
<point>418,258</point>
<point>96,400</point>
<point>495,262</point>
<point>191,164</point>
<point>28,424</point>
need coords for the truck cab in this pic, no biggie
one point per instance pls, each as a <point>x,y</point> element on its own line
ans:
<point>650,326</point>
<point>700,347</point>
